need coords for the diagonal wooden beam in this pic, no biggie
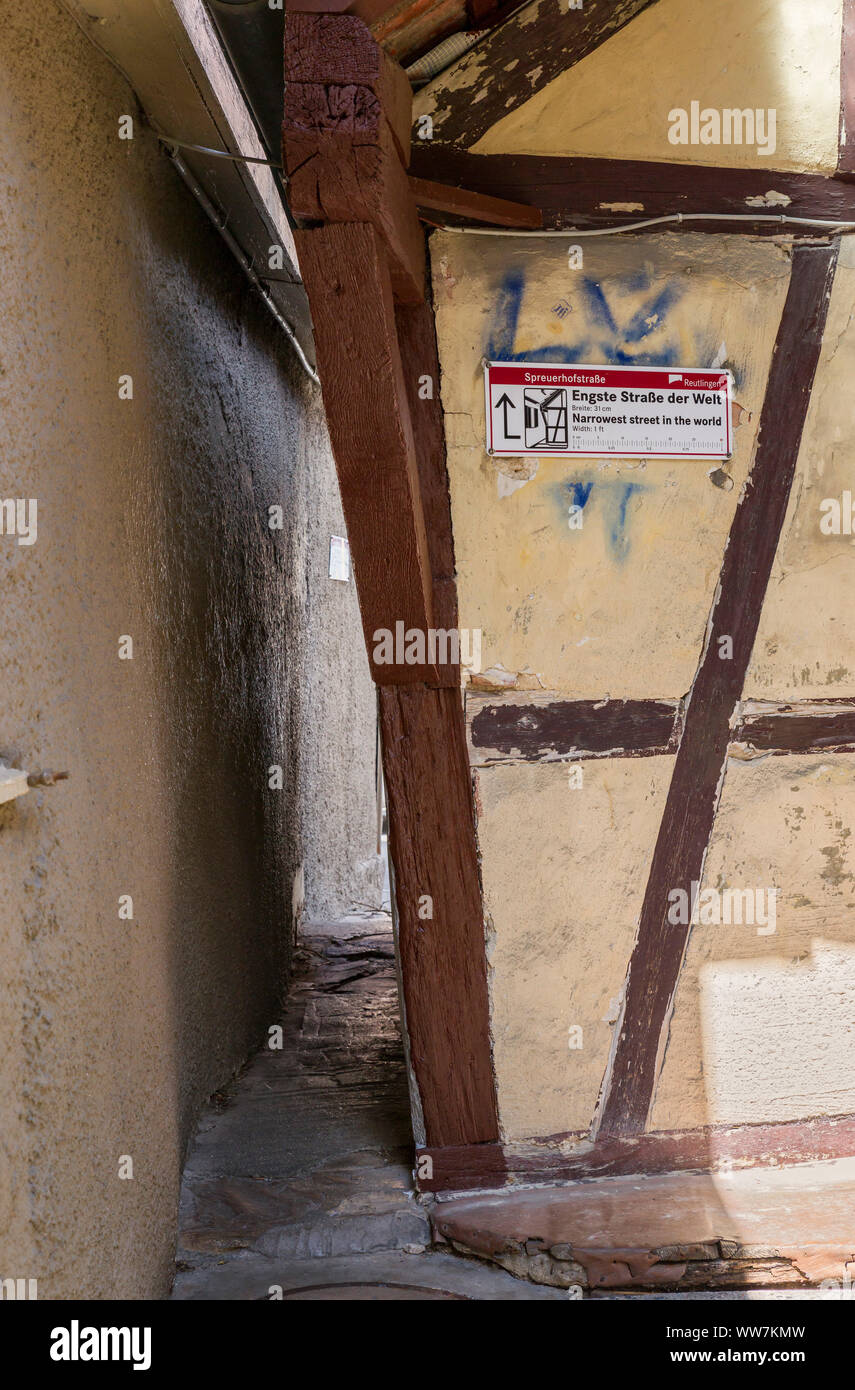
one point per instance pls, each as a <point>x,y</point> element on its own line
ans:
<point>700,760</point>
<point>474,207</point>
<point>365,396</point>
<point>439,912</point>
<point>519,58</point>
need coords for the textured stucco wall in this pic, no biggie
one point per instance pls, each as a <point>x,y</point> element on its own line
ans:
<point>152,522</point>
<point>782,55</point>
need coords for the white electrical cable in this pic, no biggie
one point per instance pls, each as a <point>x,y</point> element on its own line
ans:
<point>174,144</point>
<point>781,218</point>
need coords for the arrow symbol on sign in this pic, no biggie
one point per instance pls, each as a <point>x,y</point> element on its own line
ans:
<point>504,401</point>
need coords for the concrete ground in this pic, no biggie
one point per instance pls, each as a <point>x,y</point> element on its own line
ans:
<point>299,1181</point>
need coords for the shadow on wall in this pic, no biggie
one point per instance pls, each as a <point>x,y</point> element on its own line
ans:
<point>153,526</point>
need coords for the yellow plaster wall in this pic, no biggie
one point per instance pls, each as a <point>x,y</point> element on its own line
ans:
<point>761,1029</point>
<point>564,873</point>
<point>619,607</point>
<point>764,1026</point>
<point>805,646</point>
<point>615,103</point>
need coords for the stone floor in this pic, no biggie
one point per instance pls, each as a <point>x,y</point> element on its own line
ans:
<point>300,1175</point>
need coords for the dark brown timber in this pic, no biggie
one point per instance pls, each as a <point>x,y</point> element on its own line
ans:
<point>350,295</point>
<point>458,1169</point>
<point>846,147</point>
<point>370,11</point>
<point>520,57</point>
<point>443,968</point>
<point>699,764</point>
<point>803,727</point>
<point>578,192</point>
<point>420,364</point>
<point>378,365</point>
<point>345,138</point>
<point>532,731</point>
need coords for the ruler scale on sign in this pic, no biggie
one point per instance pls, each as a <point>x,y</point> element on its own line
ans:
<point>637,412</point>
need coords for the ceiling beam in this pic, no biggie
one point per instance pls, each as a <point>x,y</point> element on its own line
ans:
<point>599,192</point>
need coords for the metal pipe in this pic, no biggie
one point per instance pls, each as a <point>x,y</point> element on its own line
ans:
<point>240,256</point>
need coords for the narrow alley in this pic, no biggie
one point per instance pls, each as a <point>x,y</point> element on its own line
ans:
<point>300,1176</point>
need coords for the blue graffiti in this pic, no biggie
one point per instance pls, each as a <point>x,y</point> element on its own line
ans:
<point>613,496</point>
<point>607,335</point>
<point>581,493</point>
<point>618,533</point>
<point>604,337</point>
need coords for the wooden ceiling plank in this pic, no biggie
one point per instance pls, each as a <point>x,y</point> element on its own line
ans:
<point>475,207</point>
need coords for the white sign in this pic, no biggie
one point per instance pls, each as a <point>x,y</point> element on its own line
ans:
<point>339,558</point>
<point>635,412</point>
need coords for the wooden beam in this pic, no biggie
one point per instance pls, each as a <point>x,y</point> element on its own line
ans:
<point>340,55</point>
<point>541,727</point>
<point>440,915</point>
<point>473,207</point>
<point>805,726</point>
<point>846,145</point>
<point>350,294</point>
<point>380,374</point>
<point>345,138</point>
<point>420,365</point>
<point>551,1160</point>
<point>585,192</point>
<point>414,27</point>
<point>696,780</point>
<point>519,58</point>
<point>487,14</point>
<point>369,11</point>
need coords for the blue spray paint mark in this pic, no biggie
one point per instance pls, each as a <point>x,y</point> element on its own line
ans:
<point>619,536</point>
<point>613,497</point>
<point>581,492</point>
<point>503,329</point>
<point>650,316</point>
<point>603,338</point>
<point>598,309</point>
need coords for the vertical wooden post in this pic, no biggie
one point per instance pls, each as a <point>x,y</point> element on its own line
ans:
<point>346,147</point>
